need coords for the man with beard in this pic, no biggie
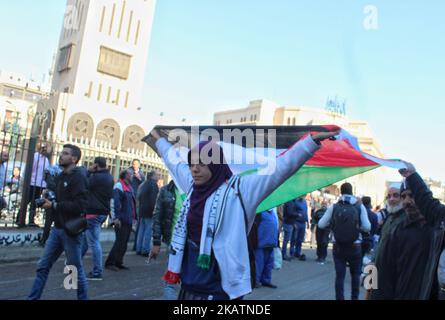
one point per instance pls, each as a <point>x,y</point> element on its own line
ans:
<point>70,204</point>
<point>389,218</point>
<point>421,202</point>
<point>408,255</point>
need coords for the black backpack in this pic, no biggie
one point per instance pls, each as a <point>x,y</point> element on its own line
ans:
<point>346,222</point>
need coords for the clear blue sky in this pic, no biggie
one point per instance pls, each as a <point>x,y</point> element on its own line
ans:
<point>206,55</point>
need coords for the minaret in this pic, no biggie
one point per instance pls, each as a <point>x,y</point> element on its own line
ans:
<point>99,71</point>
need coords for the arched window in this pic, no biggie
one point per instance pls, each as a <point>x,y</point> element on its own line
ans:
<point>109,132</point>
<point>132,137</point>
<point>81,125</point>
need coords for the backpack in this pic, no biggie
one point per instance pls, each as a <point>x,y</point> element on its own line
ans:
<point>346,222</point>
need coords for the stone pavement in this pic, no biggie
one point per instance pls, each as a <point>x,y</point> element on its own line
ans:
<point>297,280</point>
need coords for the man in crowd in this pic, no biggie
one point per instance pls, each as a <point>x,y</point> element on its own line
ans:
<point>368,239</point>
<point>137,175</point>
<point>290,229</point>
<point>98,208</point>
<point>415,246</point>
<point>321,235</point>
<point>123,213</point>
<point>146,200</point>
<point>389,218</point>
<point>137,178</point>
<point>302,222</point>
<point>70,204</point>
<point>37,184</point>
<point>347,218</point>
<point>266,224</point>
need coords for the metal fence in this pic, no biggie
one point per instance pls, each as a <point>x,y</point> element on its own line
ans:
<point>24,166</point>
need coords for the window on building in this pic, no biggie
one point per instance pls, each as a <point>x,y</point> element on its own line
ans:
<point>288,121</point>
<point>117,97</point>
<point>126,99</point>
<point>66,58</point>
<point>114,63</point>
<point>129,25</point>
<point>102,19</point>
<point>137,33</point>
<point>109,95</point>
<point>121,20</point>
<point>99,92</point>
<point>90,90</point>
<point>254,119</point>
<point>112,19</point>
<point>294,121</point>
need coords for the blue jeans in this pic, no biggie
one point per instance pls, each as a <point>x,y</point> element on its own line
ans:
<point>290,232</point>
<point>351,254</point>
<point>143,244</point>
<point>91,240</point>
<point>170,291</point>
<point>58,242</point>
<point>301,233</point>
<point>264,265</point>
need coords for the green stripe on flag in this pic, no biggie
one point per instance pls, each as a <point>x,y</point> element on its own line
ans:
<point>306,180</point>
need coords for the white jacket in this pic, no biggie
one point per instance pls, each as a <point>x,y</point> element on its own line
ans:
<point>230,241</point>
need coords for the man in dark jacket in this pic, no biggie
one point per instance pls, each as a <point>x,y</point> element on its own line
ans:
<point>100,192</point>
<point>290,229</point>
<point>167,209</point>
<point>70,203</point>
<point>145,202</point>
<point>123,213</point>
<point>321,235</point>
<point>390,218</point>
<point>137,175</point>
<point>434,216</point>
<point>137,178</point>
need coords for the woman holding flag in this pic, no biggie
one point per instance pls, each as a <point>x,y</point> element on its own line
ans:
<point>209,254</point>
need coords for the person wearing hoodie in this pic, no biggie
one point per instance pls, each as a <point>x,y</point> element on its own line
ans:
<point>209,253</point>
<point>347,219</point>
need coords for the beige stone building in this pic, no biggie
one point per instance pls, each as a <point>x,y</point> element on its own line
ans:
<point>263,112</point>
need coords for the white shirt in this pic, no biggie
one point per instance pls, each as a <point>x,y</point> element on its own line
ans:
<point>40,164</point>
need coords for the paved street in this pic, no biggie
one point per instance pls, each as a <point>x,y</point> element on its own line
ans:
<point>297,280</point>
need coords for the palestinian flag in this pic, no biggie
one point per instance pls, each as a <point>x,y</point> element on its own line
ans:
<point>249,149</point>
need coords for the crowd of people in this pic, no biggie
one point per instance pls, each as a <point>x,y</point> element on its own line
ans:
<point>220,248</point>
